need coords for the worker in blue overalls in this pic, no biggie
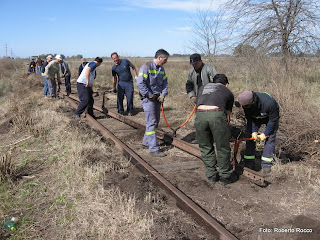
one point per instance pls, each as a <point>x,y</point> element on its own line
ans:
<point>152,83</point>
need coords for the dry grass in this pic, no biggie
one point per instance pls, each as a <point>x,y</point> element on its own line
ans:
<point>6,166</point>
<point>50,181</point>
<point>50,175</point>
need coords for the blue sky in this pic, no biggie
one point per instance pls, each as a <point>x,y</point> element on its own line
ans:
<point>97,27</point>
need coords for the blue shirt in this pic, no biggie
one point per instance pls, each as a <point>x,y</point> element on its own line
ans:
<point>152,79</point>
<point>122,71</point>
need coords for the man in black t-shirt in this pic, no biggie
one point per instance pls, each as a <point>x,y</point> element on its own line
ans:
<point>214,107</point>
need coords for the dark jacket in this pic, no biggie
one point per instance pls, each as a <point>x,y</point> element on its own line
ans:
<point>264,110</point>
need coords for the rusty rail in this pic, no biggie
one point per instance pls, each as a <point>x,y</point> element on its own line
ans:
<point>182,201</point>
<point>256,177</point>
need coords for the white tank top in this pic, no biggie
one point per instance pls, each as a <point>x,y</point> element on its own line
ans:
<point>83,79</point>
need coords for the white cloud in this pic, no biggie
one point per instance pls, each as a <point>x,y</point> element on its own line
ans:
<point>183,5</point>
<point>184,28</point>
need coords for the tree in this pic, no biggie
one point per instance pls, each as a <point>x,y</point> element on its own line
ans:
<point>244,50</point>
<point>206,32</point>
<point>288,26</point>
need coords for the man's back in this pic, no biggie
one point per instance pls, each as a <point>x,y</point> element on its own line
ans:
<point>215,94</point>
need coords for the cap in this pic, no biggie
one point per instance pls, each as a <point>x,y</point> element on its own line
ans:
<point>49,56</point>
<point>195,58</point>
<point>83,60</point>
<point>58,56</point>
<point>245,98</point>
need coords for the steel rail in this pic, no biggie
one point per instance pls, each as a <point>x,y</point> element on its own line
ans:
<point>256,177</point>
<point>182,201</point>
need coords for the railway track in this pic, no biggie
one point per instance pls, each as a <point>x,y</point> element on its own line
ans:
<point>156,169</point>
<point>252,175</point>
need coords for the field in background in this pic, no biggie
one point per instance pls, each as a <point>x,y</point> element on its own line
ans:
<point>296,90</point>
<point>37,140</point>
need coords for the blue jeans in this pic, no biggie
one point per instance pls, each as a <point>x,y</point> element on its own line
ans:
<point>125,88</point>
<point>45,86</point>
<point>86,99</point>
<point>39,69</point>
<point>152,114</point>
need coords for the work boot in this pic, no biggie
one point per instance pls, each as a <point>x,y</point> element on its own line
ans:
<point>213,179</point>
<point>93,116</point>
<point>145,146</point>
<point>249,163</point>
<point>76,116</point>
<point>195,141</point>
<point>131,113</point>
<point>158,154</point>
<point>224,181</point>
<point>266,169</point>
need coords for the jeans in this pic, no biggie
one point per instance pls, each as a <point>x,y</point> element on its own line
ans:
<point>125,88</point>
<point>39,69</point>
<point>45,86</point>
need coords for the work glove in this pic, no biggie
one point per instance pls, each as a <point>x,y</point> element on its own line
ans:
<point>153,97</point>
<point>136,77</point>
<point>161,98</point>
<point>114,90</point>
<point>255,136</point>
<point>262,137</point>
<point>194,99</point>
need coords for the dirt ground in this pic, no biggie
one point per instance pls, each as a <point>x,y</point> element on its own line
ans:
<point>287,208</point>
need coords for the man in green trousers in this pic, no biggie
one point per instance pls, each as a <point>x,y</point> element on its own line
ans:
<point>214,107</point>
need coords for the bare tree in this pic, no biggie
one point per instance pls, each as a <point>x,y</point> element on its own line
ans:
<point>206,29</point>
<point>244,50</point>
<point>286,26</point>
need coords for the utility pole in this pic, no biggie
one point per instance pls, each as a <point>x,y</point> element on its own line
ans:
<point>6,47</point>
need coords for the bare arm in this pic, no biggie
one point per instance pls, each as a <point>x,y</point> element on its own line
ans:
<point>88,76</point>
<point>115,80</point>
<point>135,71</point>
